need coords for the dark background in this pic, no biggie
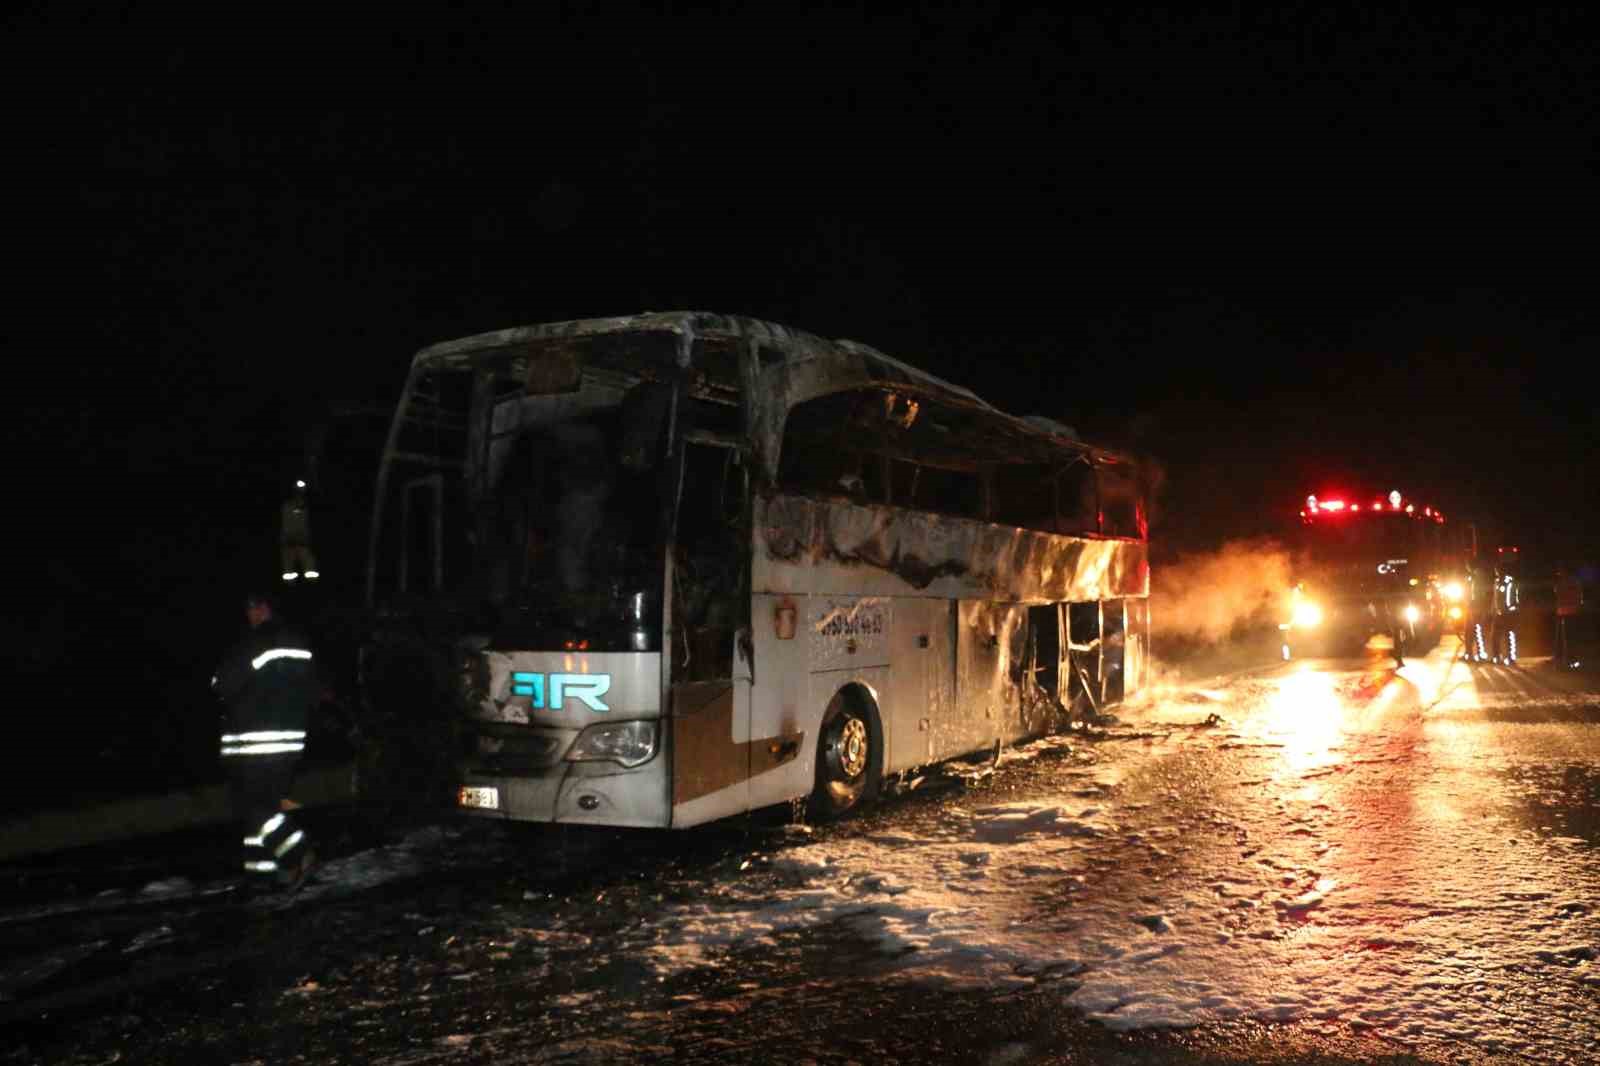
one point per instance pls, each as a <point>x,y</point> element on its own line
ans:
<point>1282,253</point>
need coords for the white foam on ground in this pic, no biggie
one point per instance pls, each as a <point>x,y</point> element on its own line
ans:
<point>1337,868</point>
<point>410,857</point>
<point>1307,857</point>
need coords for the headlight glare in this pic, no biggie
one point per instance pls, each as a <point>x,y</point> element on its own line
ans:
<point>1307,615</point>
<point>624,743</point>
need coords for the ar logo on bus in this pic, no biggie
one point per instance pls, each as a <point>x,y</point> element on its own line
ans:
<point>587,688</point>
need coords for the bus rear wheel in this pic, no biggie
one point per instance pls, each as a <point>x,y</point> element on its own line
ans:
<point>849,756</point>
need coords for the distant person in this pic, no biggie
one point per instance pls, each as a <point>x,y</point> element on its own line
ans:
<point>1506,596</point>
<point>294,537</point>
<point>268,687</point>
<point>1569,601</point>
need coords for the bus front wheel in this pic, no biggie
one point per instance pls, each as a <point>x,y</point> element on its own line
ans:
<point>849,756</point>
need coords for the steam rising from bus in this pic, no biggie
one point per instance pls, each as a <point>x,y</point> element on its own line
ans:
<point>1211,596</point>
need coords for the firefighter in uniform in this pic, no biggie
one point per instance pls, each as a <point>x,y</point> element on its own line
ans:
<point>1503,617</point>
<point>268,686</point>
<point>294,537</point>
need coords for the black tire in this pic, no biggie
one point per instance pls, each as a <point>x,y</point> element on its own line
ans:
<point>849,756</point>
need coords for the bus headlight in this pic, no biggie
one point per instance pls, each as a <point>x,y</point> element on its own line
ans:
<point>625,743</point>
<point>1453,591</point>
<point>1455,613</point>
<point>1412,614</point>
<point>1307,615</point>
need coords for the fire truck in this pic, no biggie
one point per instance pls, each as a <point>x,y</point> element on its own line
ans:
<point>1375,566</point>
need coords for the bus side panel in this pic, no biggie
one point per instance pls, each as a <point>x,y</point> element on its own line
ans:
<point>922,657</point>
<point>1136,648</point>
<point>1013,714</point>
<point>867,550</point>
<point>987,705</point>
<point>847,633</point>
<point>780,704</point>
<point>837,641</point>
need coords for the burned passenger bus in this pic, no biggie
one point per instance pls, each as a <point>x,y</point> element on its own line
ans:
<point>707,564</point>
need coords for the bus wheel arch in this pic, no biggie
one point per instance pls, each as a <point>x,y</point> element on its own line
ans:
<point>849,761</point>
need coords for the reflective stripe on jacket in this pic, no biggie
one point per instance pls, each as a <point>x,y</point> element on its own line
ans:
<point>268,683</point>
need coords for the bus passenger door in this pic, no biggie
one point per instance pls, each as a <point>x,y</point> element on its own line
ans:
<point>709,648</point>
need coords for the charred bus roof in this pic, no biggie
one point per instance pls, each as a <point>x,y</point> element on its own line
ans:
<point>723,355</point>
<point>681,339</point>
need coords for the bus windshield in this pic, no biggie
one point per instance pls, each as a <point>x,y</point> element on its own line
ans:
<point>570,538</point>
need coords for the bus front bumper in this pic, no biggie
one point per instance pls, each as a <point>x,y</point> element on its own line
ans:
<point>577,793</point>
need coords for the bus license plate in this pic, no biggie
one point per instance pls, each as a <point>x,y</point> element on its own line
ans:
<point>484,797</point>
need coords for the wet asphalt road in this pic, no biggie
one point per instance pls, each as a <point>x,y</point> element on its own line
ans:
<point>519,944</point>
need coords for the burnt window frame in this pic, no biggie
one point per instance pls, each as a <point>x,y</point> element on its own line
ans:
<point>850,432</point>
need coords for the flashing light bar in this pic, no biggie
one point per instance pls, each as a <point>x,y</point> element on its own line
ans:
<point>1396,503</point>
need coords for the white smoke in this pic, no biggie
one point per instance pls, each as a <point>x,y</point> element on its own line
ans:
<point>1210,596</point>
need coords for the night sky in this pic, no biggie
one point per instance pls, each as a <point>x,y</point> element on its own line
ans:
<point>1280,253</point>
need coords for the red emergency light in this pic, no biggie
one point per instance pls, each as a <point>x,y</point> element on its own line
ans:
<point>1395,503</point>
<point>1316,506</point>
